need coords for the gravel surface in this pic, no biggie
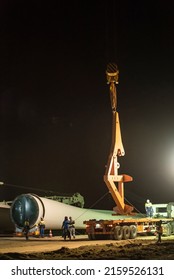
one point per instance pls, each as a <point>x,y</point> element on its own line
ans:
<point>82,248</point>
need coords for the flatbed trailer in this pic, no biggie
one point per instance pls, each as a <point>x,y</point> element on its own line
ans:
<point>127,228</point>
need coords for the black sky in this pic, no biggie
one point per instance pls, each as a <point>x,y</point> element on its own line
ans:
<point>55,114</point>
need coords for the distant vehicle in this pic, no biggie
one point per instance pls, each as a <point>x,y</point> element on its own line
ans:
<point>76,199</point>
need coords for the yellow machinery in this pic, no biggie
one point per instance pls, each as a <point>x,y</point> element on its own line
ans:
<point>113,180</point>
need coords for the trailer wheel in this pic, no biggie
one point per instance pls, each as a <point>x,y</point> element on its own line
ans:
<point>133,231</point>
<point>126,232</point>
<point>118,233</point>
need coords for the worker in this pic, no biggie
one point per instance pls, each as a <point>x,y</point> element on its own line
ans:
<point>71,228</point>
<point>159,231</point>
<point>149,208</point>
<point>26,228</point>
<point>65,227</point>
<point>42,227</point>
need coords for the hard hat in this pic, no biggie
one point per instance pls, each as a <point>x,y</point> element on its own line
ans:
<point>148,200</point>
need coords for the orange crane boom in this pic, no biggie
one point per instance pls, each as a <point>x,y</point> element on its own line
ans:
<point>113,180</point>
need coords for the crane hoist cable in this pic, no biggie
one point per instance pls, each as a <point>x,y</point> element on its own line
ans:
<point>94,204</point>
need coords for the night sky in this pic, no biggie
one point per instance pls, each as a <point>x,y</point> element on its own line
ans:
<point>55,113</point>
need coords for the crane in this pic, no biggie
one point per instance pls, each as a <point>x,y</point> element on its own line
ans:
<point>113,180</point>
<point>122,227</point>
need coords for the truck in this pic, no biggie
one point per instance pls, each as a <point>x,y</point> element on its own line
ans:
<point>127,223</point>
<point>76,199</point>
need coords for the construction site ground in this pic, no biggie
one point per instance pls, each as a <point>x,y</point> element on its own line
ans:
<point>143,247</point>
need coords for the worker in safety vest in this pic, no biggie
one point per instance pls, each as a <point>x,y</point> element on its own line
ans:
<point>65,227</point>
<point>26,228</point>
<point>42,227</point>
<point>149,208</point>
<point>71,227</point>
<point>159,231</point>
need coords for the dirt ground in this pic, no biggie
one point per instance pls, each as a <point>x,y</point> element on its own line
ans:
<point>14,248</point>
